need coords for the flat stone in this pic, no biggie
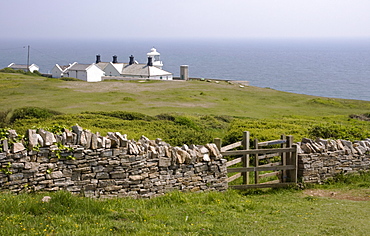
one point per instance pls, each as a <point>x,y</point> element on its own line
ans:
<point>164,162</point>
<point>18,147</point>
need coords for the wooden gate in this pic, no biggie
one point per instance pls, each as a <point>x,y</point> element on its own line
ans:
<point>285,168</point>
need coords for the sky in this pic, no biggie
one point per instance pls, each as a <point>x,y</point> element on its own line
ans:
<point>81,19</point>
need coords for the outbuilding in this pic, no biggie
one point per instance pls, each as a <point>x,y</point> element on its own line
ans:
<point>30,68</point>
<point>86,72</point>
<point>60,71</point>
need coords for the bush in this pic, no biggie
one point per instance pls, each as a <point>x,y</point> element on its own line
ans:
<point>124,115</point>
<point>4,119</point>
<point>166,116</point>
<point>338,131</point>
<point>32,112</point>
<point>10,70</point>
<point>70,79</point>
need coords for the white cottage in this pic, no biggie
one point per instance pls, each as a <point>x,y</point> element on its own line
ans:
<point>86,72</point>
<point>133,69</point>
<point>31,67</point>
<point>60,71</point>
<point>147,71</point>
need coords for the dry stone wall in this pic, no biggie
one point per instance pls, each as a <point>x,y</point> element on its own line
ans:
<point>322,159</point>
<point>113,166</point>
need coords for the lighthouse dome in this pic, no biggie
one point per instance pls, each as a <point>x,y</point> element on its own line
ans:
<point>153,52</point>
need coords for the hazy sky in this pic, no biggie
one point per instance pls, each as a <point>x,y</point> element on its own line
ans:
<point>184,18</point>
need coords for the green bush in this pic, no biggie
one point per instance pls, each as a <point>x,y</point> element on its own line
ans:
<point>70,79</point>
<point>124,115</point>
<point>4,118</point>
<point>338,131</point>
<point>10,70</point>
<point>166,116</point>
<point>32,112</point>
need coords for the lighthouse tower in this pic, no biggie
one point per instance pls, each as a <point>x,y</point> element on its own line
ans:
<point>155,58</point>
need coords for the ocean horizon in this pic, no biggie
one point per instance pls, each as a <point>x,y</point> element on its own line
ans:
<point>329,68</point>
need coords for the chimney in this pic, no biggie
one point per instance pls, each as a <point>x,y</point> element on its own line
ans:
<point>132,61</point>
<point>97,58</point>
<point>114,59</point>
<point>150,61</point>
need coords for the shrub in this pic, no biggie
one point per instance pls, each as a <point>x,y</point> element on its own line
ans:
<point>32,112</point>
<point>10,70</point>
<point>70,79</point>
<point>338,131</point>
<point>124,115</point>
<point>166,116</point>
<point>4,119</point>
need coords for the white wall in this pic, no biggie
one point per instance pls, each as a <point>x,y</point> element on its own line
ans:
<point>56,72</point>
<point>78,74</point>
<point>110,70</point>
<point>94,74</point>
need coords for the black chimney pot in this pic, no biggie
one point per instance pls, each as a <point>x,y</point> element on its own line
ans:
<point>98,58</point>
<point>150,61</point>
<point>131,60</point>
<point>115,59</point>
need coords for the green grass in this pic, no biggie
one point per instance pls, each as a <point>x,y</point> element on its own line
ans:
<point>192,112</point>
<point>184,112</point>
<point>257,212</point>
<point>153,98</point>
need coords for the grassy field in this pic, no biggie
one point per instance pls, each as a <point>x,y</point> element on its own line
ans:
<point>185,112</point>
<point>156,97</point>
<point>335,209</point>
<point>197,110</point>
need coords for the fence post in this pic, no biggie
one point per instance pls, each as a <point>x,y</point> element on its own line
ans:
<point>218,143</point>
<point>289,158</point>
<point>256,173</point>
<point>295,162</point>
<point>245,159</point>
<point>283,159</point>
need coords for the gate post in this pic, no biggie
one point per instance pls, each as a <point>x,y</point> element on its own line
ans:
<point>290,159</point>
<point>256,163</point>
<point>283,176</point>
<point>245,158</point>
<point>218,143</point>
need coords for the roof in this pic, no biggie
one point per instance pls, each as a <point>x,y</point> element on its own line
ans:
<point>18,66</point>
<point>80,66</point>
<point>143,70</point>
<point>64,67</point>
<point>153,52</point>
<point>136,69</point>
<point>102,65</point>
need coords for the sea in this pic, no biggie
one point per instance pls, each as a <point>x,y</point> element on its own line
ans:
<point>333,68</point>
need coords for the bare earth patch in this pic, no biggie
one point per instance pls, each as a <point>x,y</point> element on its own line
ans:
<point>122,86</point>
<point>353,195</point>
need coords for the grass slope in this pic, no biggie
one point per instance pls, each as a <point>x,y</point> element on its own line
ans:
<point>177,111</point>
<point>271,212</point>
<point>156,97</point>
<point>203,111</point>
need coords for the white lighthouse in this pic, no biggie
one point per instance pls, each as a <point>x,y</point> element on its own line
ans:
<point>155,58</point>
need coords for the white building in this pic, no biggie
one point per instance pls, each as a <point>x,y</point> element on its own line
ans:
<point>31,67</point>
<point>94,72</point>
<point>145,71</point>
<point>133,69</point>
<point>59,71</point>
<point>86,72</point>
